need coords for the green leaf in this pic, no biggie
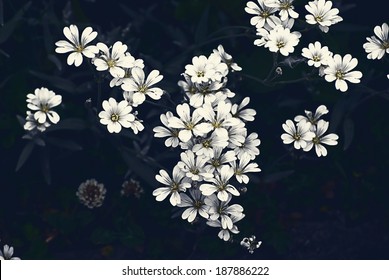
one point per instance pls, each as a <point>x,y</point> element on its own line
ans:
<point>24,155</point>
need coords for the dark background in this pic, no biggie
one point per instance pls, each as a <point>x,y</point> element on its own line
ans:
<point>300,206</point>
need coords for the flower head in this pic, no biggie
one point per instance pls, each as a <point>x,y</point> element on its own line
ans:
<point>284,6</point>
<point>115,115</point>
<point>250,243</point>
<point>378,45</point>
<point>281,40</point>
<point>76,46</point>
<point>322,14</point>
<point>310,118</point>
<point>131,188</point>
<point>262,13</point>
<point>41,102</point>
<point>316,54</point>
<point>319,139</point>
<point>7,253</point>
<point>300,135</point>
<point>339,70</point>
<point>91,193</point>
<point>194,205</point>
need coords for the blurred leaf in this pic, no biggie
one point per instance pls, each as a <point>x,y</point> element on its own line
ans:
<point>7,29</point>
<point>25,154</point>
<point>138,166</point>
<point>348,130</point>
<point>63,143</point>
<point>46,170</point>
<point>57,82</point>
<point>55,60</point>
<point>68,124</point>
<point>202,26</point>
<point>338,113</point>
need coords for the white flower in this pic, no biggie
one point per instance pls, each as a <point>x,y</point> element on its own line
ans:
<point>249,146</point>
<point>166,131</point>
<point>316,54</point>
<point>188,125</point>
<point>203,69</point>
<point>377,47</point>
<point>221,209</point>
<point>141,87</point>
<point>116,115</point>
<point>118,81</point>
<point>338,70</point>
<point>32,124</point>
<point>299,136</point>
<point>322,14</point>
<point>250,243</point>
<point>319,139</point>
<point>7,253</point>
<point>91,193</point>
<point>244,166</point>
<point>42,101</point>
<point>247,115</point>
<point>227,58</point>
<point>174,185</point>
<point>113,60</point>
<point>220,120</point>
<point>237,135</point>
<point>75,46</point>
<point>284,6</point>
<point>195,205</point>
<point>310,118</point>
<point>205,93</point>
<point>281,40</point>
<point>224,234</point>
<point>207,145</point>
<point>262,13</point>
<point>220,184</point>
<point>193,166</point>
<point>219,159</point>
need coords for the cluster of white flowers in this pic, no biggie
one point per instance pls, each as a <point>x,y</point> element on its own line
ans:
<point>91,193</point>
<point>7,253</point>
<point>275,34</point>
<point>309,131</point>
<point>377,46</point>
<point>216,146</point>
<point>125,71</point>
<point>332,67</point>
<point>41,115</point>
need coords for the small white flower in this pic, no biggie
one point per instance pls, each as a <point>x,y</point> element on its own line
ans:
<point>338,70</point>
<point>91,193</point>
<point>42,101</point>
<point>316,54</point>
<point>220,184</point>
<point>299,136</point>
<point>113,60</point>
<point>310,118</point>
<point>193,166</point>
<point>322,14</point>
<point>244,166</point>
<point>140,87</point>
<point>319,139</point>
<point>194,205</point>
<point>247,115</point>
<point>204,70</point>
<point>262,13</point>
<point>225,234</point>
<point>77,47</point>
<point>227,58</point>
<point>166,131</point>
<point>250,243</point>
<point>284,6</point>
<point>32,124</point>
<point>377,47</point>
<point>176,184</point>
<point>249,146</point>
<point>7,253</point>
<point>188,125</point>
<point>118,81</point>
<point>281,40</point>
<point>221,210</point>
<point>206,146</point>
<point>116,115</point>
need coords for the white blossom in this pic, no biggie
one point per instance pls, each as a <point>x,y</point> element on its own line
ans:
<point>316,54</point>
<point>376,46</point>
<point>166,131</point>
<point>299,136</point>
<point>42,101</point>
<point>322,14</point>
<point>194,205</point>
<point>281,40</point>
<point>115,115</point>
<point>242,167</point>
<point>262,13</point>
<point>319,139</point>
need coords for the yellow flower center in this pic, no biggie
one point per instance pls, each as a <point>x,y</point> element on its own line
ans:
<point>115,117</point>
<point>339,75</point>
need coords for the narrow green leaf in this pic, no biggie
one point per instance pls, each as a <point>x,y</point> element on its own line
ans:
<point>24,155</point>
<point>7,29</point>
